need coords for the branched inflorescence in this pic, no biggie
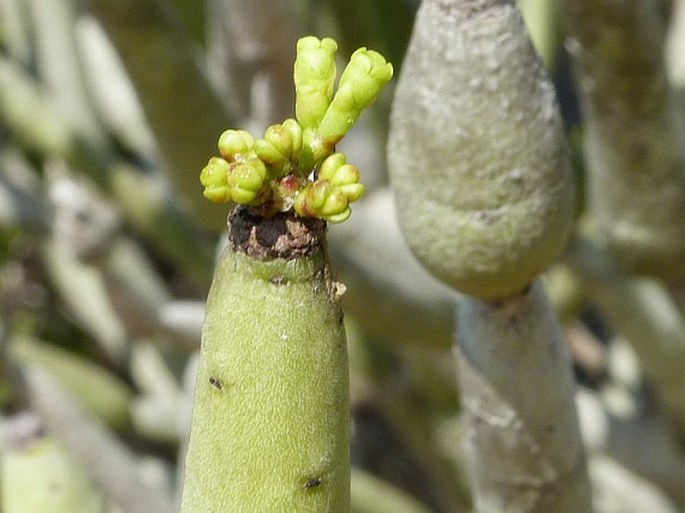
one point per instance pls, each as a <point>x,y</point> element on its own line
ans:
<point>294,165</point>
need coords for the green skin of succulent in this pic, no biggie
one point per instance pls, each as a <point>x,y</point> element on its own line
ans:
<point>270,425</point>
<point>476,152</point>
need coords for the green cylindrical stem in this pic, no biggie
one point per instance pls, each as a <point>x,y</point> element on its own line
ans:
<point>270,426</point>
<point>521,427</point>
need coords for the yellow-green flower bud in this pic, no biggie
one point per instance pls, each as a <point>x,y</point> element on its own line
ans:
<point>281,139</point>
<point>310,200</point>
<point>247,180</point>
<point>343,177</point>
<point>346,179</point>
<point>320,199</point>
<point>279,147</point>
<point>331,165</point>
<point>336,203</point>
<point>295,131</point>
<point>214,178</point>
<point>360,84</point>
<point>314,76</point>
<point>269,154</point>
<point>234,142</point>
<point>338,218</point>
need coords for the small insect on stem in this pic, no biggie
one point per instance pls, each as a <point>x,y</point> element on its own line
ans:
<point>216,383</point>
<point>312,483</point>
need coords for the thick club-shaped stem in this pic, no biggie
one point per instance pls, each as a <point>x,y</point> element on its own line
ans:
<point>476,152</point>
<point>485,196</point>
<point>271,410</point>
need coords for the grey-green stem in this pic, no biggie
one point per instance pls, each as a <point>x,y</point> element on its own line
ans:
<point>477,153</point>
<point>634,135</point>
<point>517,390</point>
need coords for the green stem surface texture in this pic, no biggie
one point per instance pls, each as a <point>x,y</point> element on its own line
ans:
<point>521,428</point>
<point>270,425</point>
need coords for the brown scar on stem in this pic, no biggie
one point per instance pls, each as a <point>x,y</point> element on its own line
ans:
<point>278,280</point>
<point>511,306</point>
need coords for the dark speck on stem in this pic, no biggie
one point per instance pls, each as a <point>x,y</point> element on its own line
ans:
<point>313,482</point>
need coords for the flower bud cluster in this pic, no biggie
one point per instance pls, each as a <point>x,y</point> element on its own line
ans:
<point>330,194</point>
<point>326,117</point>
<point>294,165</point>
<point>239,175</point>
<point>314,74</point>
<point>360,84</point>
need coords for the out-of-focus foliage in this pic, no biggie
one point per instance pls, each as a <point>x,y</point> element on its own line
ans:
<point>108,110</point>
